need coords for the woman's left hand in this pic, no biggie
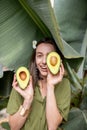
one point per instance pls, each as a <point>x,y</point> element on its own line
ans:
<point>54,79</point>
<point>26,93</point>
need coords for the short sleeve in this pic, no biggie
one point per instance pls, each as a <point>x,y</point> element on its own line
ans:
<point>15,100</point>
<point>63,97</point>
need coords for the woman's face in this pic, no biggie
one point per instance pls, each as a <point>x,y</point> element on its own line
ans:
<point>42,51</point>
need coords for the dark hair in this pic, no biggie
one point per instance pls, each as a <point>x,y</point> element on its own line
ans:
<point>48,40</point>
<point>32,67</point>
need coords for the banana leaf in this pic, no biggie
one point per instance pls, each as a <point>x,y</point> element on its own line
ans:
<point>17,31</point>
<point>83,66</point>
<point>50,16</point>
<point>72,20</point>
<point>77,120</point>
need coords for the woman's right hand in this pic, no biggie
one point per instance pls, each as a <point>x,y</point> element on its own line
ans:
<point>25,93</point>
<point>55,79</point>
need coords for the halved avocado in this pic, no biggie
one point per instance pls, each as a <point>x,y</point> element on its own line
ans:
<point>23,76</point>
<point>53,62</point>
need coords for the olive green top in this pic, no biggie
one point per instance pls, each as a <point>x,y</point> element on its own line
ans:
<point>37,117</point>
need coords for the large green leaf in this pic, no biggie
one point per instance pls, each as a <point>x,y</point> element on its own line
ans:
<point>73,78</point>
<point>17,31</point>
<point>72,19</point>
<point>83,67</point>
<point>36,19</point>
<point>49,17</point>
<point>77,120</point>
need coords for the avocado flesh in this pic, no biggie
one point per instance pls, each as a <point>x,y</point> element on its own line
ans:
<point>23,76</point>
<point>53,62</point>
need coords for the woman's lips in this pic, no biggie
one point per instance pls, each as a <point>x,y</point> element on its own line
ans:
<point>43,69</point>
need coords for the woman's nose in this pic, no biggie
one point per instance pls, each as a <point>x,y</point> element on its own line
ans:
<point>44,59</point>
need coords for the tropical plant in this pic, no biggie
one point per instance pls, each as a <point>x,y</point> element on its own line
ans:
<point>22,21</point>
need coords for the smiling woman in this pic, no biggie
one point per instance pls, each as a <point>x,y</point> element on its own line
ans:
<point>46,95</point>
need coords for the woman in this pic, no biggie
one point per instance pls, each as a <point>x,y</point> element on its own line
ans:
<point>45,103</point>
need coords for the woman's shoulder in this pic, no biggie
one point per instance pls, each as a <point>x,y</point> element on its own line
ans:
<point>63,89</point>
<point>63,85</point>
<point>65,81</point>
<point>14,94</point>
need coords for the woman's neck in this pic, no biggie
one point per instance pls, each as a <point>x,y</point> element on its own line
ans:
<point>43,87</point>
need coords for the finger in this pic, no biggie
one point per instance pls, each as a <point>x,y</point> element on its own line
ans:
<point>19,90</point>
<point>61,74</point>
<point>62,69</point>
<point>31,80</point>
<point>14,76</point>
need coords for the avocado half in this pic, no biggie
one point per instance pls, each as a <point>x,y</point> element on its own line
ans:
<point>23,76</point>
<point>53,62</point>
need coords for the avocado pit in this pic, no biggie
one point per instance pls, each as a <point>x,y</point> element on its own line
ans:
<point>53,60</point>
<point>22,75</point>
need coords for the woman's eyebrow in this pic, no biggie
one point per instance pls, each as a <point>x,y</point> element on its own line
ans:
<point>38,52</point>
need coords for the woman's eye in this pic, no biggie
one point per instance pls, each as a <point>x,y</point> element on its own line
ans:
<point>39,56</point>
